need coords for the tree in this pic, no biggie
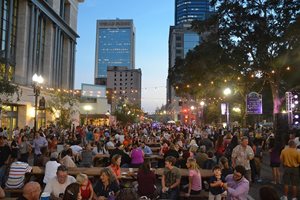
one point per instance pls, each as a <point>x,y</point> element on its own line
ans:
<point>127,113</point>
<point>65,105</point>
<point>262,38</point>
<point>7,91</point>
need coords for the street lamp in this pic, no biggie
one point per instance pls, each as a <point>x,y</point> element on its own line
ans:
<point>37,80</point>
<point>227,92</point>
<point>87,108</point>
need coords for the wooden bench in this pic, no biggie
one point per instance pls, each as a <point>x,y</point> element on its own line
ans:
<point>13,192</point>
<point>203,195</point>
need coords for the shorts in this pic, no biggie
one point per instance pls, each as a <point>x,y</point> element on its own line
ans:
<point>274,164</point>
<point>291,176</point>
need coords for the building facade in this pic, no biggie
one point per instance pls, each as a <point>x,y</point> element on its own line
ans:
<point>38,36</point>
<point>124,85</point>
<point>188,10</point>
<point>115,46</point>
<point>181,40</point>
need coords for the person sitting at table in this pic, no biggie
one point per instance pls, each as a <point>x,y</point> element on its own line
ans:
<point>86,188</point>
<point>127,194</point>
<point>57,185</point>
<point>51,167</point>
<point>115,165</point>
<point>87,156</point>
<point>164,148</point>
<point>67,158</point>
<point>107,185</point>
<point>31,191</point>
<point>195,182</point>
<point>126,160</point>
<point>16,175</point>
<point>137,156</point>
<point>172,152</point>
<point>146,149</point>
<point>170,180</point>
<point>72,192</point>
<point>146,181</point>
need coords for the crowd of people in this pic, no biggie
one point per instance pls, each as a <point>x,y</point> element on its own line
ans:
<point>233,156</point>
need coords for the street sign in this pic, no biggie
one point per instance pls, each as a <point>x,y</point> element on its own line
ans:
<point>254,103</point>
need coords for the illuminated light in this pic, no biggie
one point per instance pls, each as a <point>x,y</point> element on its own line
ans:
<point>186,116</point>
<point>187,86</point>
<point>288,68</point>
<point>225,81</point>
<point>192,107</point>
<point>238,78</point>
<point>284,111</point>
<point>273,72</point>
<point>252,76</point>
<point>296,102</point>
<point>31,112</point>
<point>296,116</point>
<point>212,82</point>
<point>296,122</point>
<point>227,91</point>
<point>202,103</point>
<point>293,105</point>
<point>295,96</point>
<point>199,84</point>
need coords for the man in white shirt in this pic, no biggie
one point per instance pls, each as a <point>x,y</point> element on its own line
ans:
<point>51,167</point>
<point>57,185</point>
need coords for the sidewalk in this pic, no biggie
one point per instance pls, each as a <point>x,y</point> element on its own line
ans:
<point>266,177</point>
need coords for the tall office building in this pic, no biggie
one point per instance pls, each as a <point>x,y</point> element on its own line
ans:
<point>182,39</point>
<point>188,10</point>
<point>37,36</point>
<point>115,46</point>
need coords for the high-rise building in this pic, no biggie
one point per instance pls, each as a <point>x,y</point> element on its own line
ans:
<point>188,10</point>
<point>124,85</point>
<point>36,37</point>
<point>182,39</point>
<point>115,46</point>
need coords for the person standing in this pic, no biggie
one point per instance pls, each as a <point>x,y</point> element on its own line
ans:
<point>38,143</point>
<point>237,186</point>
<point>241,155</point>
<point>290,158</point>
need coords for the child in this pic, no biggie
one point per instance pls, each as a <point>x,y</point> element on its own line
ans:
<point>216,183</point>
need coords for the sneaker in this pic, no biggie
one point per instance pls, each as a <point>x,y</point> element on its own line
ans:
<point>284,198</point>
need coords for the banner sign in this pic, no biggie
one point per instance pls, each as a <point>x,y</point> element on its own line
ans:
<point>254,103</point>
<point>223,108</point>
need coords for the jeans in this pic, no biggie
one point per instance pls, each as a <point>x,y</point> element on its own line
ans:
<point>172,194</point>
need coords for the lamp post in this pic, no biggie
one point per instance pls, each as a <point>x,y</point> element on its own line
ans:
<point>87,108</point>
<point>37,80</point>
<point>227,92</point>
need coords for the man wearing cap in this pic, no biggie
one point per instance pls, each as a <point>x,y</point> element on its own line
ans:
<point>57,185</point>
<point>4,158</point>
<point>51,167</point>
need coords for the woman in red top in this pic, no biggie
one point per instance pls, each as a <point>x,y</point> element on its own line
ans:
<point>115,165</point>
<point>86,188</point>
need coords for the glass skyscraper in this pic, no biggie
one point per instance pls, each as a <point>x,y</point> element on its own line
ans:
<point>115,46</point>
<point>188,10</point>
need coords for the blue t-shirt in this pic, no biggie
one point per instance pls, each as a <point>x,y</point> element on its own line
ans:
<point>216,190</point>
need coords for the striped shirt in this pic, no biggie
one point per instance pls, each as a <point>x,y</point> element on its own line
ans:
<point>16,174</point>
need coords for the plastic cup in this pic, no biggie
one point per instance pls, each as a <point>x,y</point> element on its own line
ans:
<point>45,196</point>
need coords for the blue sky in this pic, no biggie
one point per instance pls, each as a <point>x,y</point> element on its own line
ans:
<point>152,19</point>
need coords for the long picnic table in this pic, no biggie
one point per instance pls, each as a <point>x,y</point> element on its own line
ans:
<point>95,171</point>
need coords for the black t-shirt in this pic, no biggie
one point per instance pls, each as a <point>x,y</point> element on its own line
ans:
<point>5,153</point>
<point>216,190</point>
<point>100,190</point>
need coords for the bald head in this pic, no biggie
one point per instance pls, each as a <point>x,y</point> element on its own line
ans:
<point>32,190</point>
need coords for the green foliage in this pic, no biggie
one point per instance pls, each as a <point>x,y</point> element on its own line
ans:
<point>66,104</point>
<point>7,90</point>
<point>127,113</point>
